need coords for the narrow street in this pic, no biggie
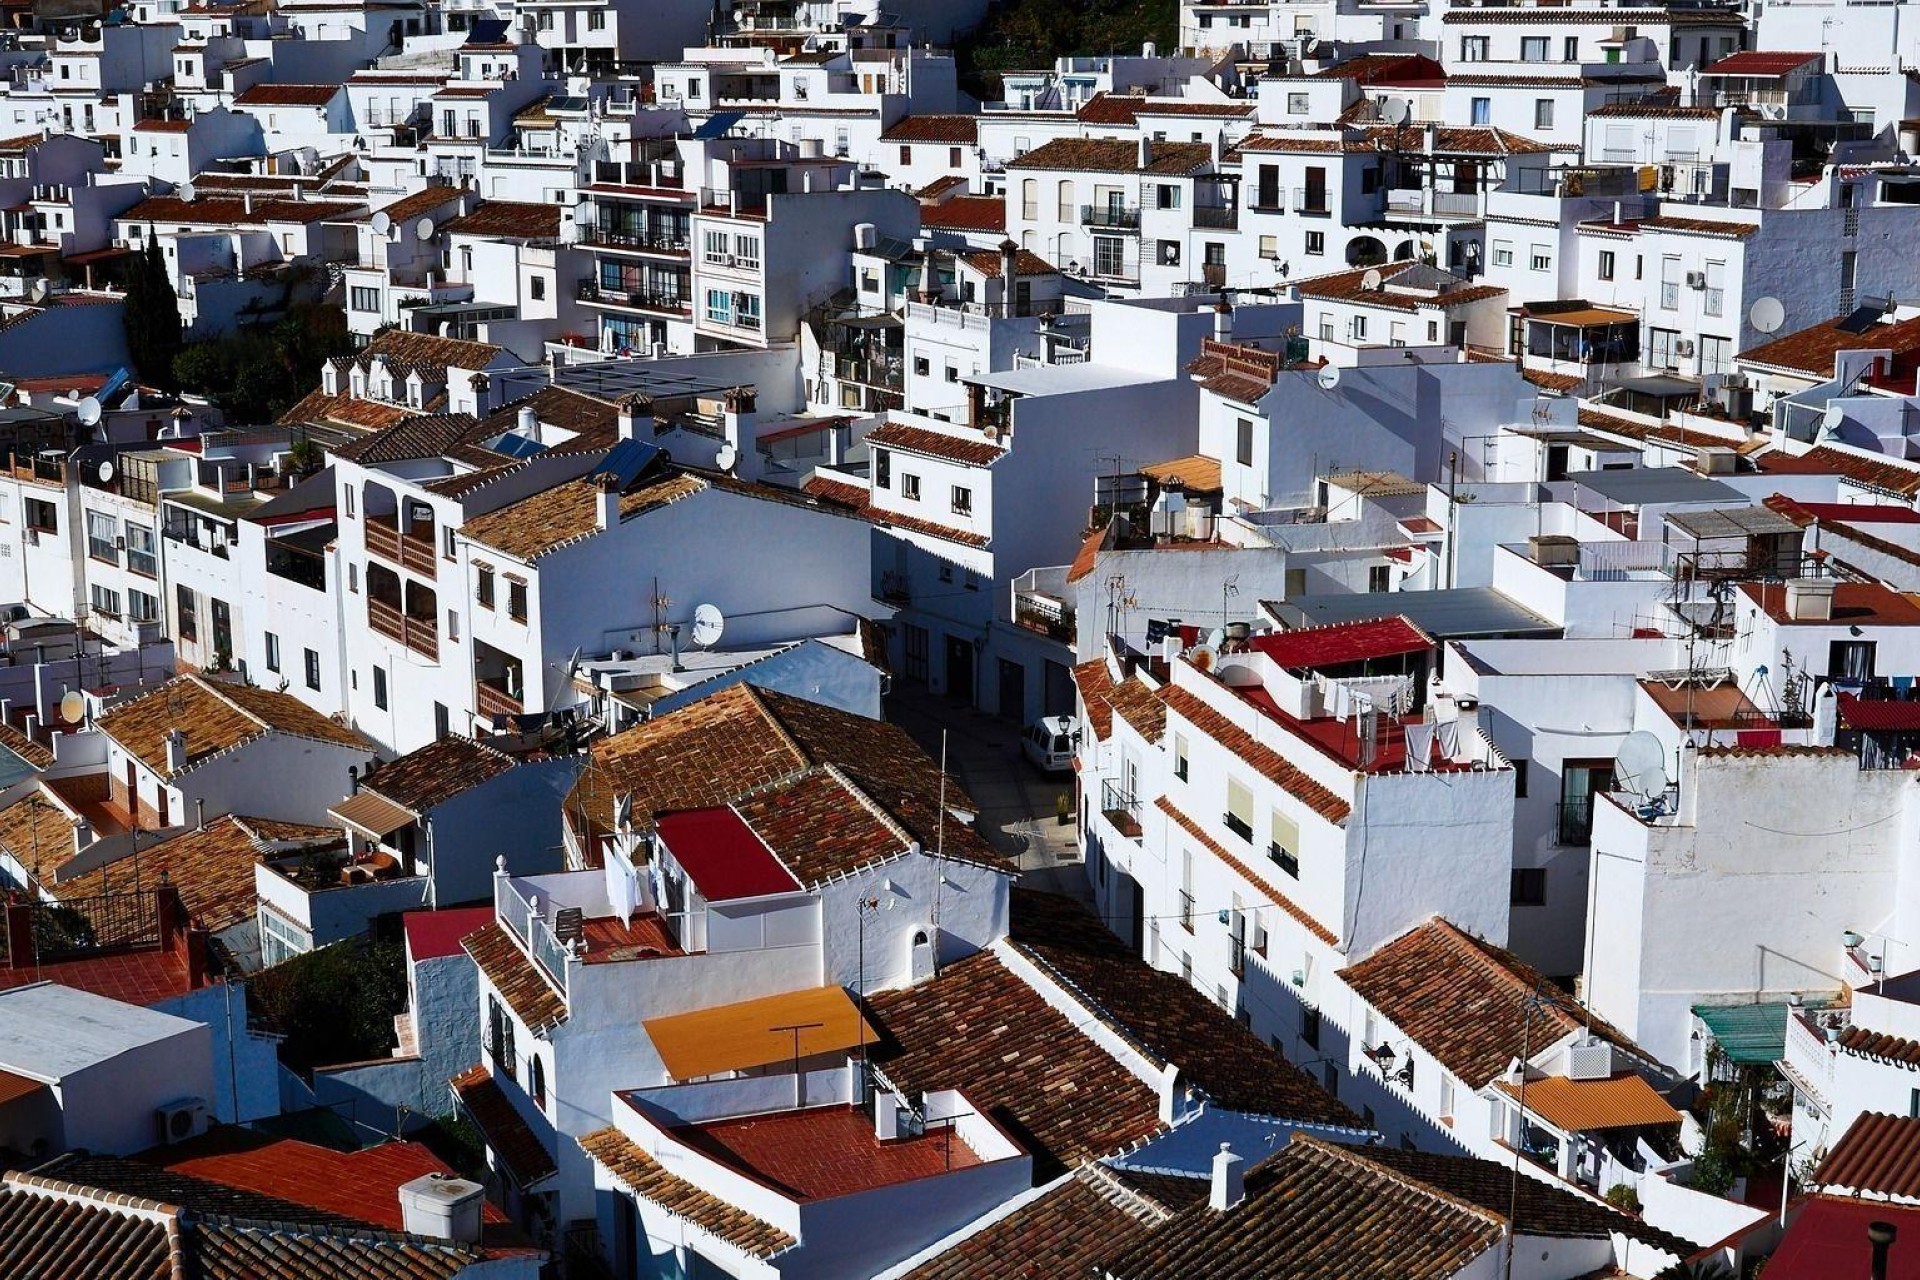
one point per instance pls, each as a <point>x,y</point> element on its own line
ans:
<point>1019,805</point>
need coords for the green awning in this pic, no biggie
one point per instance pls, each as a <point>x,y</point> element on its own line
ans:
<point>1750,1034</point>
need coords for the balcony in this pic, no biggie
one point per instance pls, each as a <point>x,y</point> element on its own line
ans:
<point>385,540</point>
<point>1311,200</point>
<point>1221,218</point>
<point>1040,604</point>
<point>672,243</point>
<point>1809,1054</point>
<point>422,635</point>
<point>1110,217</point>
<point>1573,821</point>
<point>670,304</point>
<point>1121,810</point>
<point>885,372</point>
<point>493,699</point>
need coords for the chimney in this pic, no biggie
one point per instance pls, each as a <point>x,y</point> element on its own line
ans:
<point>1466,720</point>
<point>1146,151</point>
<point>32,724</point>
<point>608,499</point>
<point>1810,599</point>
<point>636,416</point>
<point>82,836</point>
<point>1223,319</point>
<point>246,202</point>
<point>199,814</point>
<point>176,750</point>
<point>440,1206</point>
<point>1880,1235</point>
<point>1229,1182</point>
<point>528,422</point>
<point>1009,272</point>
<point>737,411</point>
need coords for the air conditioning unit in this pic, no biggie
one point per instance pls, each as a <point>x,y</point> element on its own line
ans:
<point>1696,279</point>
<point>180,1120</point>
<point>1590,1058</point>
<point>1683,348</point>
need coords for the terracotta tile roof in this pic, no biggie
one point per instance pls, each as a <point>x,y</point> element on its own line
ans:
<point>936,444</point>
<point>1608,16</point>
<point>288,95</point>
<point>1878,1044</point>
<point>516,978</point>
<point>966,213</point>
<point>430,351</point>
<point>1025,263</point>
<point>1624,1101</point>
<point>321,409</point>
<point>1088,556</point>
<point>1111,108</point>
<point>1109,155</point>
<point>1812,350</point>
<point>564,513</point>
<point>1374,68</point>
<point>512,1141</point>
<point>1138,705</point>
<point>1079,1223</point>
<point>34,753</point>
<point>211,867</point>
<point>641,1174</point>
<point>1181,108</point>
<point>231,211</point>
<point>437,772</point>
<point>53,1237</point>
<point>1284,143</point>
<point>1265,882</point>
<point>1351,286</point>
<point>1316,1211</point>
<point>858,501</point>
<point>1879,1155</point>
<point>1701,227</point>
<point>1465,1001</point>
<point>1854,603</point>
<point>509,220</point>
<point>954,183</point>
<point>1654,110</point>
<point>1235,370</point>
<point>419,436</point>
<point>216,717</point>
<point>1474,140</point>
<point>955,130</point>
<point>1196,473</point>
<point>977,1028</point>
<point>1166,1017</point>
<point>431,199</point>
<point>593,421</point>
<point>1763,64</point>
<point>1872,472</point>
<point>1261,758</point>
<point>38,833</point>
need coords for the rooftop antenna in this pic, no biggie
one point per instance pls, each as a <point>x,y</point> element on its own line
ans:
<point>1228,590</point>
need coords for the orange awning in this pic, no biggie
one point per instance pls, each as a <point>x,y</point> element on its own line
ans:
<point>371,814</point>
<point>758,1033</point>
<point>1586,317</point>
<point>1577,1106</point>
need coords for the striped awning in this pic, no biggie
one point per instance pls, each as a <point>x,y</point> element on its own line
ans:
<point>371,815</point>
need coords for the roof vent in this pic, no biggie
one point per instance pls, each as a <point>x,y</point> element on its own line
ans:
<point>440,1206</point>
<point>1810,599</point>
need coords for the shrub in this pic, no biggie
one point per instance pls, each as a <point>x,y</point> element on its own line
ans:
<point>333,1005</point>
<point>1624,1197</point>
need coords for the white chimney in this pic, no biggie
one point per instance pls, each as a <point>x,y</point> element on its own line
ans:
<point>1229,1181</point>
<point>1223,320</point>
<point>1810,599</point>
<point>608,500</point>
<point>176,750</point>
<point>636,416</point>
<point>1146,151</point>
<point>246,202</point>
<point>440,1206</point>
<point>529,422</point>
<point>82,835</point>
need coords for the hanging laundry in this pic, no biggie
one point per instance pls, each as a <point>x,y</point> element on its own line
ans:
<point>1420,746</point>
<point>622,891</point>
<point>1447,734</point>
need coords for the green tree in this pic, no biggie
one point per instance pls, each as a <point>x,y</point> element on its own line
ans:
<point>151,317</point>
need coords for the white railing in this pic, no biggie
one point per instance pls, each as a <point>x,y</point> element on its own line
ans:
<point>1613,561</point>
<point>1809,1057</point>
<point>523,919</point>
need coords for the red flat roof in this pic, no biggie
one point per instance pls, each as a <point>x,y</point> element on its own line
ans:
<point>722,856</point>
<point>432,934</point>
<point>1881,714</point>
<point>1829,1238</point>
<point>1760,64</point>
<point>1855,512</point>
<point>1343,642</point>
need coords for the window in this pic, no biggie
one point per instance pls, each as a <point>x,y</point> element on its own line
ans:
<point>1169,255</point>
<point>1520,769</point>
<point>483,587</point>
<point>962,501</point>
<point>186,615</point>
<point>1529,887</point>
<point>1533,48</point>
<point>41,515</point>
<point>1606,267</point>
<point>1180,756</point>
<point>1503,253</point>
<point>1186,894</point>
<point>141,556</point>
<point>953,157</point>
<point>537,1077</point>
<point>921,366</point>
<point>1446,1098</point>
<point>1316,243</point>
<point>746,251</point>
<point>720,306</point>
<point>1109,256</point>
<point>1543,113</point>
<point>516,600</point>
<point>442,721</point>
<point>380,687</point>
<point>953,373</point>
<point>882,469</point>
<point>1670,283</point>
<point>102,529</point>
<point>1239,816</point>
<point>909,486</point>
<point>364,299</point>
<point>313,668</point>
<point>499,1037</point>
<point>1269,246</point>
<point>142,607</point>
<point>1030,199</point>
<point>1475,48</point>
<point>906,154</point>
<point>537,287</point>
<point>1284,844</point>
<point>1716,299</point>
<point>714,247</point>
<point>1540,258</point>
<point>1243,441</point>
<point>105,602</point>
<point>273,651</point>
<point>1851,659</point>
<point>1379,578</point>
<point>1299,104</point>
<point>746,310</point>
<point>1166,196</point>
<point>1482,111</point>
<point>1357,328</point>
<point>1310,1026</point>
<point>596,19</point>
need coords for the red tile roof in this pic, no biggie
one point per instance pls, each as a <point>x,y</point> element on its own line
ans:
<point>1342,642</point>
<point>954,130</point>
<point>629,1165</point>
<point>1701,226</point>
<point>1069,1231</point>
<point>1812,349</point>
<point>230,211</point>
<point>512,1141</point>
<point>966,213</point>
<point>1870,472</point>
<point>1857,603</point>
<point>515,977</point>
<point>1878,1155</point>
<point>722,856</point>
<point>1760,64</point>
<point>975,452</point>
<point>1121,155</point>
<point>1264,760</point>
<point>1827,1239</point>
<point>288,95</point>
<point>509,220</point>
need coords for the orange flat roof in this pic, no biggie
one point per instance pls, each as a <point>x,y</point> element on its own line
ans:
<point>758,1033</point>
<point>1576,1106</point>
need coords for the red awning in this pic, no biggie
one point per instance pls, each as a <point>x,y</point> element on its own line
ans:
<point>1343,642</point>
<point>722,856</point>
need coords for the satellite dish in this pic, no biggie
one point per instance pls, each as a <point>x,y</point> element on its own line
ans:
<point>106,471</point>
<point>1203,657</point>
<point>1833,417</point>
<point>1329,377</point>
<point>708,625</point>
<point>1766,314</point>
<point>186,192</point>
<point>1640,766</point>
<point>1396,111</point>
<point>1216,638</point>
<point>423,229</point>
<point>726,458</point>
<point>1371,281</point>
<point>382,222</point>
<point>73,707</point>
<point>89,413</point>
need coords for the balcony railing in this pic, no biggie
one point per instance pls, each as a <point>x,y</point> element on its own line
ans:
<point>385,540</point>
<point>1120,809</point>
<point>672,304</point>
<point>1118,217</point>
<point>1809,1054</point>
<point>1310,200</point>
<point>639,241</point>
<point>523,918</point>
<point>492,699</point>
<point>1216,218</point>
<point>422,635</point>
<point>1045,615</point>
<point>1573,821</point>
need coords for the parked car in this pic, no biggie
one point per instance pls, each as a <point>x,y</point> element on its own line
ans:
<point>1048,742</point>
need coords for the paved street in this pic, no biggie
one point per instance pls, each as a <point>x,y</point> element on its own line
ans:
<point>1018,804</point>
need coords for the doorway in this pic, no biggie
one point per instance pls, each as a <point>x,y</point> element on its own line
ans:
<point>960,670</point>
<point>1013,691</point>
